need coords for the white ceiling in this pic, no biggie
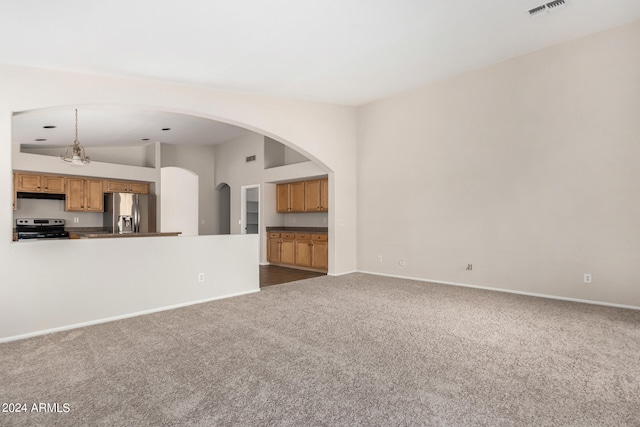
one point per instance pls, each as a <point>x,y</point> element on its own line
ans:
<point>103,126</point>
<point>339,51</point>
<point>346,52</point>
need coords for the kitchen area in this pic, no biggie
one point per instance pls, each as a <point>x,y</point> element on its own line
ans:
<point>48,206</point>
<point>122,192</point>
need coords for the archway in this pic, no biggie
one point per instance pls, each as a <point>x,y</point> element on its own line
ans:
<point>224,208</point>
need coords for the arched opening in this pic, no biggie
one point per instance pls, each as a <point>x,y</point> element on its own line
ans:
<point>219,211</point>
<point>224,208</point>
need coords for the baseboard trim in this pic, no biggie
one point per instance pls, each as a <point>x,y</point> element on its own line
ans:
<point>509,291</point>
<point>120,317</point>
<point>342,274</point>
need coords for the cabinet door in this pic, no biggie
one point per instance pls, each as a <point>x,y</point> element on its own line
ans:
<point>303,250</point>
<point>282,198</point>
<point>296,196</point>
<point>288,251</point>
<point>324,195</point>
<point>139,187</point>
<point>74,202</point>
<point>273,250</point>
<point>312,196</point>
<point>28,183</point>
<point>94,195</point>
<point>111,186</point>
<point>320,256</point>
<point>53,184</point>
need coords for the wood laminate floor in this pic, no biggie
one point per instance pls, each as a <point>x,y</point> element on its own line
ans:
<point>274,275</point>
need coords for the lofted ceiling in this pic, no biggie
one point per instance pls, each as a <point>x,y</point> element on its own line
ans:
<point>347,52</point>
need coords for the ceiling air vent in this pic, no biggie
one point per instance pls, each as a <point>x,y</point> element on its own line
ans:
<point>538,10</point>
<point>250,158</point>
<point>554,4</point>
<point>547,7</point>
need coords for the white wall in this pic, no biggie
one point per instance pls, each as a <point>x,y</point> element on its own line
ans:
<point>231,167</point>
<point>527,169</point>
<point>322,132</point>
<point>179,201</point>
<point>142,155</point>
<point>200,160</point>
<point>158,272</point>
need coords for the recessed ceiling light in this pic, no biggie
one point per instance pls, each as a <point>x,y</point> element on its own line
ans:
<point>145,139</point>
<point>40,139</point>
<point>166,128</point>
<point>49,127</point>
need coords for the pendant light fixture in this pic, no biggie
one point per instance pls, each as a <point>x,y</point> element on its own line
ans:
<point>74,153</point>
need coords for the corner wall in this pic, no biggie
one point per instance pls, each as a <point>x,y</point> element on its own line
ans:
<point>527,169</point>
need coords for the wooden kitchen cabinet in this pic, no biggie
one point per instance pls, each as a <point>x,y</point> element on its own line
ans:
<point>316,195</point>
<point>320,251</point>
<point>287,248</point>
<point>290,197</point>
<point>117,186</point>
<point>273,248</point>
<point>84,195</point>
<point>302,250</point>
<point>303,196</point>
<point>281,248</point>
<point>39,183</point>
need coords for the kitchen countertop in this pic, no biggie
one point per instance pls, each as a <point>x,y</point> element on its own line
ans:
<point>108,235</point>
<point>314,230</point>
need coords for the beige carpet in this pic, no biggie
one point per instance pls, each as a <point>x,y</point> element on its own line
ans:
<point>351,350</point>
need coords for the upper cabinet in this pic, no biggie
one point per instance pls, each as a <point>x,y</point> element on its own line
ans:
<point>290,197</point>
<point>39,183</point>
<point>303,196</point>
<point>117,186</point>
<point>316,197</point>
<point>84,195</point>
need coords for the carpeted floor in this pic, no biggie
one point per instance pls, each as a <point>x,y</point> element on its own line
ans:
<point>350,350</point>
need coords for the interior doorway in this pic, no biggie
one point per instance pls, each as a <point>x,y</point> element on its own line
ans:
<point>224,209</point>
<point>250,209</point>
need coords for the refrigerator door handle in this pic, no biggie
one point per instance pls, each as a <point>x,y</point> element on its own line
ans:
<point>136,214</point>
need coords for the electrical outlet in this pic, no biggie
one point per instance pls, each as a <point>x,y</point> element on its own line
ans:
<point>293,219</point>
<point>379,258</point>
<point>587,278</point>
<point>76,219</point>
<point>200,277</point>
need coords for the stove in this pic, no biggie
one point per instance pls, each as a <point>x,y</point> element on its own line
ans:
<point>40,228</point>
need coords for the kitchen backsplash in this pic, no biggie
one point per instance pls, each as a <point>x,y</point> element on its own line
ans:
<point>311,219</point>
<point>42,208</point>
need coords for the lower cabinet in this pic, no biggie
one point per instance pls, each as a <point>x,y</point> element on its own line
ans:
<point>303,250</point>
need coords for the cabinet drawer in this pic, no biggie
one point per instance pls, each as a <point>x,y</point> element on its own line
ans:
<point>274,235</point>
<point>319,237</point>
<point>300,236</point>
<point>288,235</point>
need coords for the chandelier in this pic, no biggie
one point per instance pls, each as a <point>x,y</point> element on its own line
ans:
<point>74,153</point>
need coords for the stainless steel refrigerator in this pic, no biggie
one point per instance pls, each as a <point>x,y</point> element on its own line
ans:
<point>129,213</point>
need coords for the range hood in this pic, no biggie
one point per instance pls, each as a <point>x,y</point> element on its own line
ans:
<point>48,196</point>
